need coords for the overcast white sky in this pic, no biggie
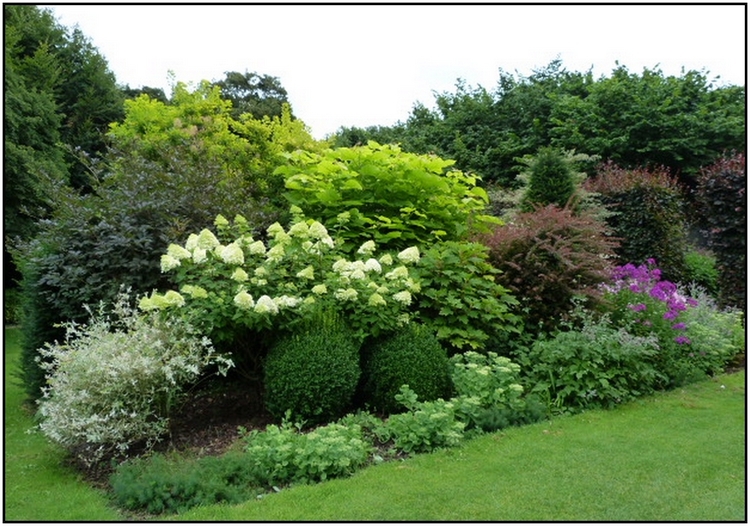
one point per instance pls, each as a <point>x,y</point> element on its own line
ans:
<point>357,65</point>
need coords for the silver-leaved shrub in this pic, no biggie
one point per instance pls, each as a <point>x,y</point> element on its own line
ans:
<point>112,381</point>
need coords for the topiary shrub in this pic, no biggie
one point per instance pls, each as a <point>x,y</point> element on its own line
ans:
<point>313,372</point>
<point>547,258</point>
<point>412,356</point>
<point>551,180</point>
<point>648,218</point>
<point>721,193</point>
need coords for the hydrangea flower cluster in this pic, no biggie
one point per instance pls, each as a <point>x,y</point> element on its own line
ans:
<point>642,285</point>
<point>294,269</point>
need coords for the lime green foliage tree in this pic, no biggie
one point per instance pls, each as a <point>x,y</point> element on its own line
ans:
<point>379,192</point>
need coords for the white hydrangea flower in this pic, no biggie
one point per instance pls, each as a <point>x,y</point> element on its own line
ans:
<point>403,319</point>
<point>320,289</point>
<point>345,294</point>
<point>299,230</point>
<point>357,274</point>
<point>232,254</point>
<point>177,252</point>
<point>398,273</point>
<point>259,282</point>
<point>516,387</point>
<point>412,285</point>
<point>282,238</point>
<point>257,248</point>
<point>409,255</point>
<point>261,272</point>
<point>221,221</point>
<point>386,259</point>
<point>207,240</point>
<point>372,265</point>
<point>173,299</point>
<point>276,253</point>
<point>327,241</point>
<point>343,218</point>
<point>240,275</point>
<point>307,273</point>
<point>317,230</point>
<point>340,266</point>
<point>266,305</point>
<point>199,255</point>
<point>240,220</point>
<point>244,300</point>
<point>403,297</point>
<point>376,300</point>
<point>307,245</point>
<point>367,248</point>
<point>383,290</point>
<point>192,242</point>
<point>169,262</point>
<point>286,302</point>
<point>274,229</point>
<point>194,291</point>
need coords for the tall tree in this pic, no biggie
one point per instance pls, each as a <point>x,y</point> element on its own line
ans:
<point>258,95</point>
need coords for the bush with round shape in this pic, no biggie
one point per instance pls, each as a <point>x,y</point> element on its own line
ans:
<point>412,356</point>
<point>313,372</point>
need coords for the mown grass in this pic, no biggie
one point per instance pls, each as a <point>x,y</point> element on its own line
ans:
<point>38,485</point>
<point>678,456</point>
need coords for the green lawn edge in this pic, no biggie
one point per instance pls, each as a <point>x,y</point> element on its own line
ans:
<point>677,456</point>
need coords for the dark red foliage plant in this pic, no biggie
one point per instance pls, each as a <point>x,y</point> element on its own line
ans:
<point>548,257</point>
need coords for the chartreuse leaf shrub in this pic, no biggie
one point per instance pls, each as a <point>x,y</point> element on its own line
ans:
<point>648,218</point>
<point>547,258</point>
<point>702,270</point>
<point>412,355</point>
<point>461,297</point>
<point>721,193</point>
<point>312,373</point>
<point>379,192</point>
<point>112,381</point>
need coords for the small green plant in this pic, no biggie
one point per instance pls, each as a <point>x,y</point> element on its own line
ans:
<point>113,380</point>
<point>425,427</point>
<point>489,395</point>
<point>460,297</point>
<point>597,365</point>
<point>313,373</point>
<point>284,455</point>
<point>162,485</point>
<point>413,356</point>
<point>701,270</point>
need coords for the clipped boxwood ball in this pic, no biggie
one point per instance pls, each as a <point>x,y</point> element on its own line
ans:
<point>410,356</point>
<point>313,373</point>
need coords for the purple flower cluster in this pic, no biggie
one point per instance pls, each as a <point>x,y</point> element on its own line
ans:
<point>646,279</point>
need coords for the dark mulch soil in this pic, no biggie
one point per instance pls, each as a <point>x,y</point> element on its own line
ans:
<point>206,422</point>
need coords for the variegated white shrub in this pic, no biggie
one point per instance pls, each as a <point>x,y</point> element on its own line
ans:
<point>111,383</point>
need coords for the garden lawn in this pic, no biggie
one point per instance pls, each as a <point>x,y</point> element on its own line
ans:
<point>38,486</point>
<point>677,456</point>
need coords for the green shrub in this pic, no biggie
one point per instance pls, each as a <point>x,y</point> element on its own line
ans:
<point>425,427</point>
<point>162,485</point>
<point>461,297</point>
<point>595,366</point>
<point>13,306</point>
<point>111,383</point>
<point>489,394</point>
<point>313,373</point>
<point>411,356</point>
<point>722,196</point>
<point>283,455</point>
<point>648,219</point>
<point>551,180</point>
<point>716,336</point>
<point>376,192</point>
<point>701,270</point>
<point>549,257</point>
